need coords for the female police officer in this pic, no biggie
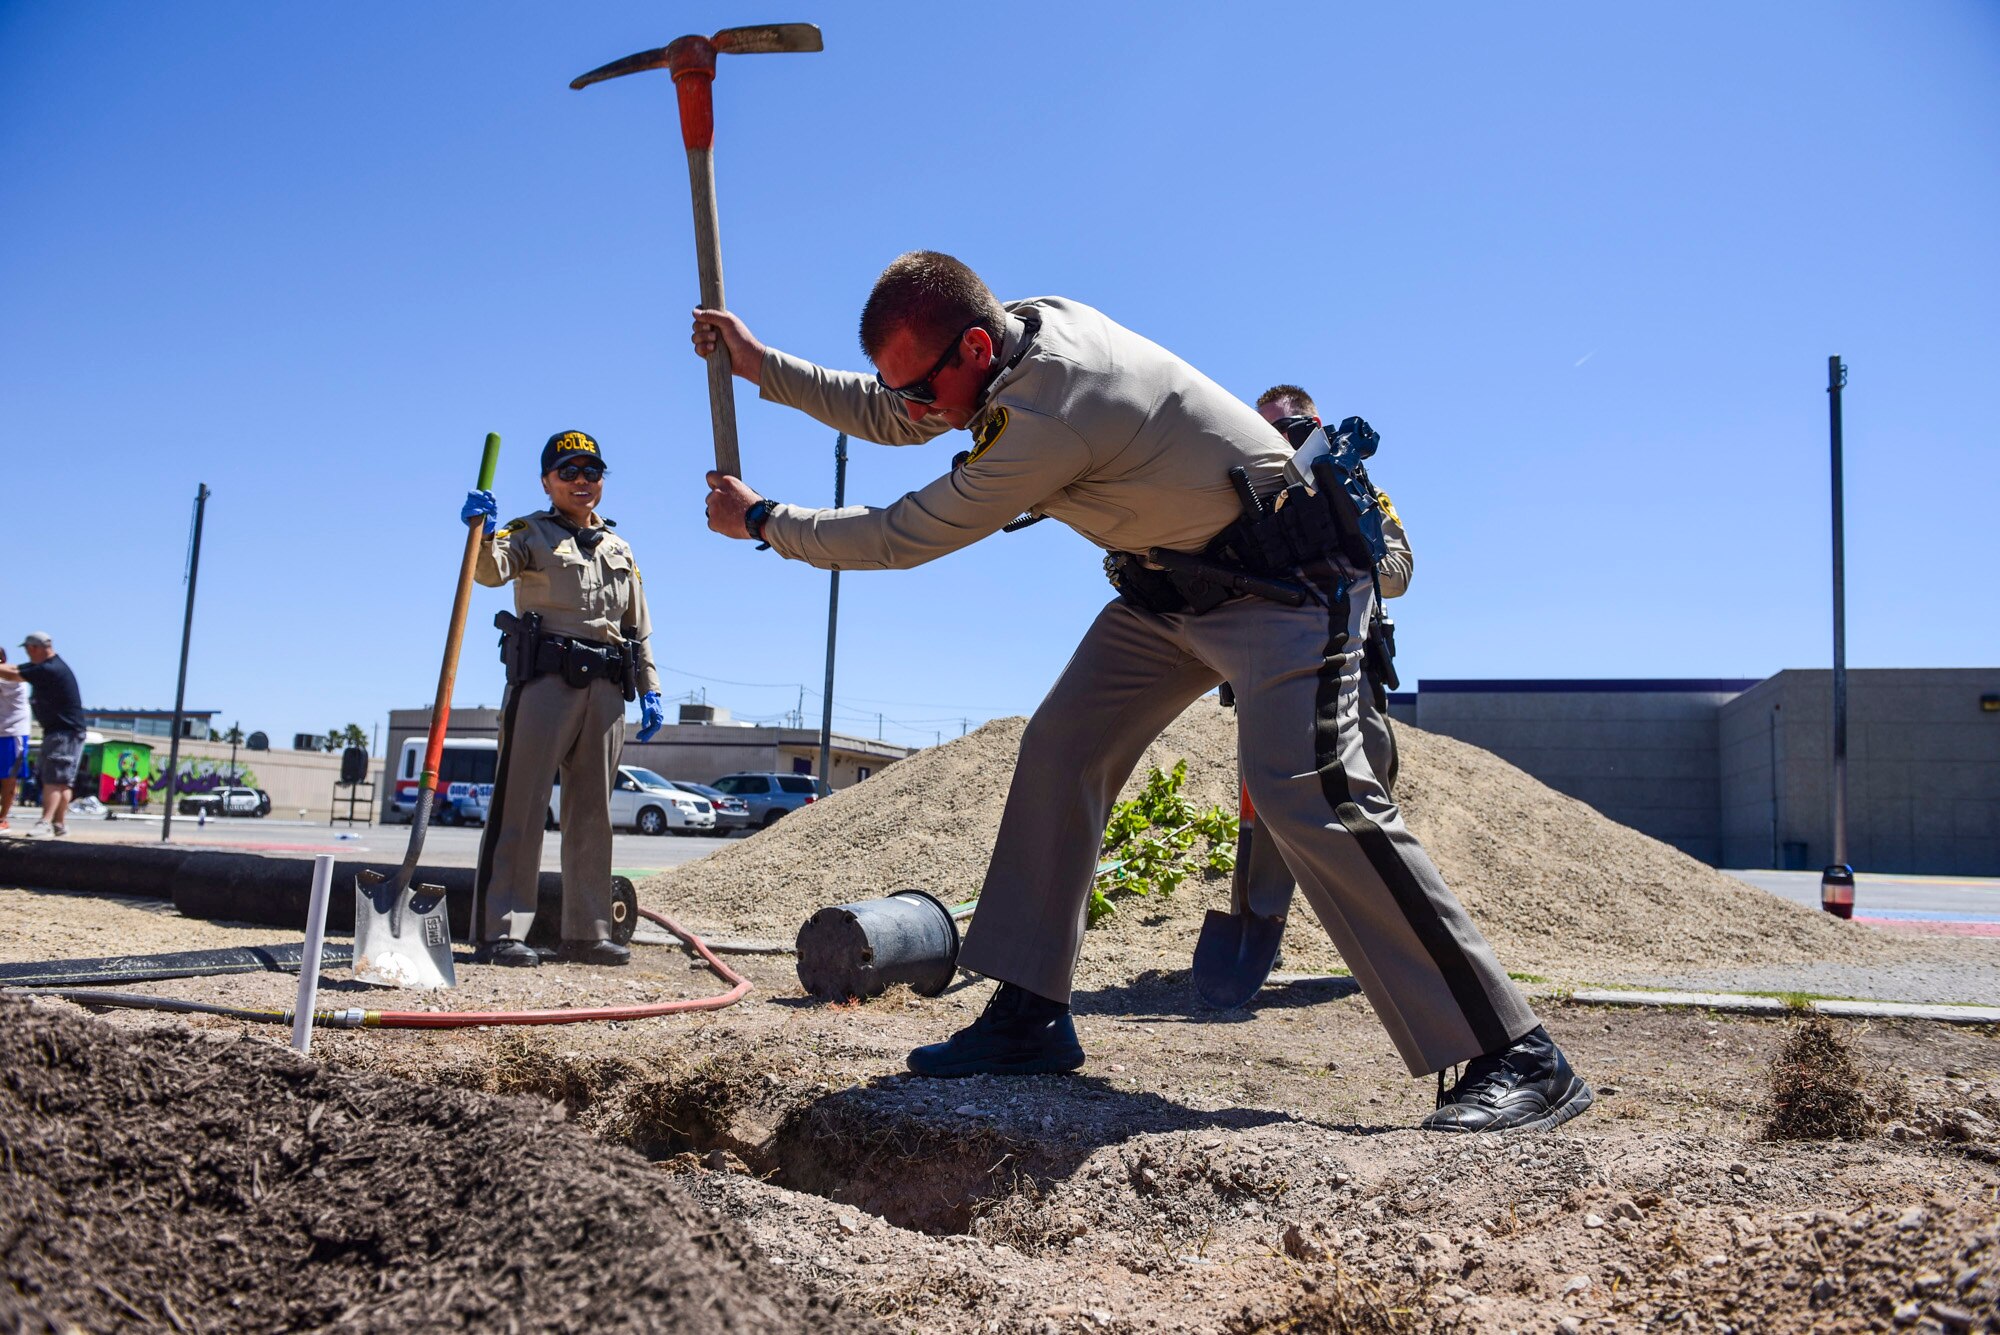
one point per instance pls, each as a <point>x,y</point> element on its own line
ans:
<point>576,651</point>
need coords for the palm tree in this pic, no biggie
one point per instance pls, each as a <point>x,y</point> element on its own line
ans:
<point>234,737</point>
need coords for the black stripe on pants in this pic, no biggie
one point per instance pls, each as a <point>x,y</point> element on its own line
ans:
<point>496,812</point>
<point>1380,849</point>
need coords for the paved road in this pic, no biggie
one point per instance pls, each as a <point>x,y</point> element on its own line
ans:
<point>1967,905</point>
<point>444,846</point>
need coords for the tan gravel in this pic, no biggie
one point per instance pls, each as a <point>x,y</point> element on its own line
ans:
<point>1561,890</point>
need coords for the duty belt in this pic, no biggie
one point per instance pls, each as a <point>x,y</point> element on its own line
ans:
<point>530,652</point>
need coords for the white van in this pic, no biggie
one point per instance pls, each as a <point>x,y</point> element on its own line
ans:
<point>640,799</point>
<point>464,782</point>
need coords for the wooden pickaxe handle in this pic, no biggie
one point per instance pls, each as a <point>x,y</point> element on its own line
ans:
<point>698,133</point>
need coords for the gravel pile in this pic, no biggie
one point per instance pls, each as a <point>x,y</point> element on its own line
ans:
<point>1561,890</point>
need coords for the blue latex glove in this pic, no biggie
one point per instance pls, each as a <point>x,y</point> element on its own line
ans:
<point>481,505</point>
<point>652,715</point>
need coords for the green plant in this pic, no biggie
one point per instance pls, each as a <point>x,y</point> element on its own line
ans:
<point>1157,840</point>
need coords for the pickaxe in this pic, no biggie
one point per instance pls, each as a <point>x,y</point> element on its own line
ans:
<point>692,63</point>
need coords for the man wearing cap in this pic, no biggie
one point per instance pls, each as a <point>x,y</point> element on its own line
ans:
<point>58,707</point>
<point>1281,405</point>
<point>1076,417</point>
<point>576,651</point>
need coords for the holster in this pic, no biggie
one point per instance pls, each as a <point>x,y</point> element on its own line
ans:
<point>1378,654</point>
<point>1161,592</point>
<point>519,636</point>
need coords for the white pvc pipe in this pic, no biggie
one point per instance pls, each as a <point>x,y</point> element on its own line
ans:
<point>302,1014</point>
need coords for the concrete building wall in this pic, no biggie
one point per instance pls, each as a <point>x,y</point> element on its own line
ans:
<point>1923,775</point>
<point>1645,753</point>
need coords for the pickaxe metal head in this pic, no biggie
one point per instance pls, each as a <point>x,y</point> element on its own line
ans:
<point>691,60</point>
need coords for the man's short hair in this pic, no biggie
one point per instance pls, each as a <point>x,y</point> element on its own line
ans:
<point>934,297</point>
<point>1300,401</point>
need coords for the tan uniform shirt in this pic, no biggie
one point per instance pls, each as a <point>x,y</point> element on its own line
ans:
<point>1397,564</point>
<point>595,597</point>
<point>1092,425</point>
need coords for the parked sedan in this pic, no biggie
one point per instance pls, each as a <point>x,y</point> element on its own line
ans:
<point>770,796</point>
<point>731,813</point>
<point>223,802</point>
<point>641,800</point>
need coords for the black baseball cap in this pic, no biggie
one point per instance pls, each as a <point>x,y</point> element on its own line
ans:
<point>565,446</point>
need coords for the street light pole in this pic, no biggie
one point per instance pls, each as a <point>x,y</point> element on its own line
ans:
<point>180,689</point>
<point>832,620</point>
<point>1836,882</point>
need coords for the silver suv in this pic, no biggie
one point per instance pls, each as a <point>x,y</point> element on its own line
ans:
<point>770,795</point>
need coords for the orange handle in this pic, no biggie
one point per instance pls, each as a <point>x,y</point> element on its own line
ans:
<point>461,605</point>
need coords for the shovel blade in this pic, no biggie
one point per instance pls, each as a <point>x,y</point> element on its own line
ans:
<point>1233,956</point>
<point>402,937</point>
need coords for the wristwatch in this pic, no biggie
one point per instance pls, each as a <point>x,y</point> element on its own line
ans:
<point>754,517</point>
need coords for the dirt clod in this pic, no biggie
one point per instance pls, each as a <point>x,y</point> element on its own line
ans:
<point>1816,1091</point>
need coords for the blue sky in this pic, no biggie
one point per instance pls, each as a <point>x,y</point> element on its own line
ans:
<point>1581,265</point>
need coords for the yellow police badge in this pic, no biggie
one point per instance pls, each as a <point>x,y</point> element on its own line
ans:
<point>988,431</point>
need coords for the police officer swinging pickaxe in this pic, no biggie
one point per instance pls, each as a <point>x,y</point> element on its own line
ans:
<point>691,60</point>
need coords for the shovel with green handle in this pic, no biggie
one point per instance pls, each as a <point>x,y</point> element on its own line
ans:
<point>402,936</point>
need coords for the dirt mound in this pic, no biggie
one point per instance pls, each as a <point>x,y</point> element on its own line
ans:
<point>1559,888</point>
<point>163,1179</point>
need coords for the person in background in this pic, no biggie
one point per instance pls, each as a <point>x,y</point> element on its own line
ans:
<point>1378,735</point>
<point>57,705</point>
<point>576,650</point>
<point>13,738</point>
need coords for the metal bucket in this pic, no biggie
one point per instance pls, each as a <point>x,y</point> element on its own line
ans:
<point>862,950</point>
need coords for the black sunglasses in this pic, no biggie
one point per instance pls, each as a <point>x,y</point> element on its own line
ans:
<point>921,390</point>
<point>588,472</point>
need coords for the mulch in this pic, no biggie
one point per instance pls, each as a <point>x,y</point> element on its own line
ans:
<point>167,1179</point>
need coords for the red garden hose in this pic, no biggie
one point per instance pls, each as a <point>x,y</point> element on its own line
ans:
<point>473,1019</point>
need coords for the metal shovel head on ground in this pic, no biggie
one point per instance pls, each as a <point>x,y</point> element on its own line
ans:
<point>1235,951</point>
<point>1233,956</point>
<point>402,934</point>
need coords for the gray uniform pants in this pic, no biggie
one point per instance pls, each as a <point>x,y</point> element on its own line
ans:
<point>1270,884</point>
<point>550,726</point>
<point>1296,672</point>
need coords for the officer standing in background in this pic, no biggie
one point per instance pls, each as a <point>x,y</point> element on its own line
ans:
<point>1078,418</point>
<point>1281,404</point>
<point>576,651</point>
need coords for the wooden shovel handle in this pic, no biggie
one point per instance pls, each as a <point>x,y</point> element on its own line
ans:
<point>708,258</point>
<point>461,604</point>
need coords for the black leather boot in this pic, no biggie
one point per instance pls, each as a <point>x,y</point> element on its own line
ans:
<point>513,954</point>
<point>1526,1085</point>
<point>1019,1033</point>
<point>594,952</point>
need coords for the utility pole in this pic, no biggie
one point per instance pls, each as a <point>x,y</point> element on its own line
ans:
<point>235,735</point>
<point>180,689</point>
<point>1836,883</point>
<point>832,620</point>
